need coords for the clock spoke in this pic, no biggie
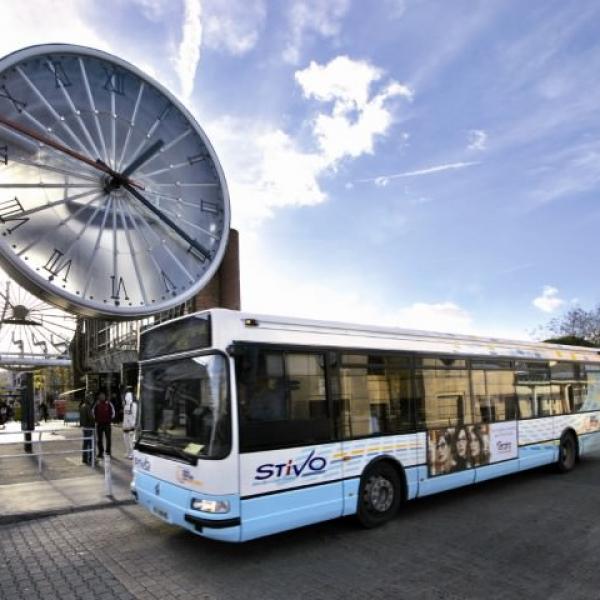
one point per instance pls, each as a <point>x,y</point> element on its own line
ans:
<point>159,243</point>
<point>151,131</point>
<point>166,222</point>
<point>90,97</point>
<point>60,224</point>
<point>138,273</point>
<point>76,113</point>
<point>186,184</point>
<point>131,125</point>
<point>26,186</point>
<point>37,209</point>
<point>59,118</point>
<point>53,169</point>
<point>191,224</point>
<point>90,265</point>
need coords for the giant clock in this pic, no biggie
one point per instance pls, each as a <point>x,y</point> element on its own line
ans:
<point>112,201</point>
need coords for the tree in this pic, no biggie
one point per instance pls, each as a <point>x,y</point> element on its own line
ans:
<point>577,326</point>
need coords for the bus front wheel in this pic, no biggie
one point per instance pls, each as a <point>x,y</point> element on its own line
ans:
<point>567,452</point>
<point>379,495</point>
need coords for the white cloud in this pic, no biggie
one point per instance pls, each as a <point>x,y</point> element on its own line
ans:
<point>356,117</point>
<point>265,171</point>
<point>385,179</point>
<point>267,168</point>
<point>312,16</point>
<point>235,26</point>
<point>477,139</point>
<point>188,56</point>
<point>442,316</point>
<point>548,301</point>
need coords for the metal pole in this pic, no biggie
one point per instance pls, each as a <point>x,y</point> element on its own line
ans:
<point>107,476</point>
<point>39,445</point>
<point>93,451</point>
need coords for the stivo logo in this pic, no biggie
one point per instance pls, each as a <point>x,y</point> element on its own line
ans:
<point>311,464</point>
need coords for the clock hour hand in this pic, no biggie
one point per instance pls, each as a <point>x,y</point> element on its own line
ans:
<point>167,221</point>
<point>143,158</point>
<point>47,141</point>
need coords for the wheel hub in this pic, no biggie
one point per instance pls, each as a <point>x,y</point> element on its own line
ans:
<point>380,494</point>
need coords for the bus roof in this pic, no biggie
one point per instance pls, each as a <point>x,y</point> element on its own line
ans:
<point>236,326</point>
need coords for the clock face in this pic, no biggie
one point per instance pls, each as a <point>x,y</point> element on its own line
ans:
<point>112,200</point>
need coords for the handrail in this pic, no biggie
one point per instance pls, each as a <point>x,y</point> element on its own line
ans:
<point>39,445</point>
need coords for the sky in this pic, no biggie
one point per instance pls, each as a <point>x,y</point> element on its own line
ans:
<point>415,163</point>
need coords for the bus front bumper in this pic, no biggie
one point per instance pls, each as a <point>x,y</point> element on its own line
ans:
<point>173,504</point>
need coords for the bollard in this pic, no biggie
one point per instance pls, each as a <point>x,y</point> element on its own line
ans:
<point>107,476</point>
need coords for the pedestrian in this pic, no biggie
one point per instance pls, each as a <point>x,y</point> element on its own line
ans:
<point>118,406</point>
<point>104,413</point>
<point>86,422</point>
<point>3,414</point>
<point>44,410</point>
<point>129,420</point>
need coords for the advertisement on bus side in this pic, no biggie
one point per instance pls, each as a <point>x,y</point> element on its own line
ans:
<point>454,449</point>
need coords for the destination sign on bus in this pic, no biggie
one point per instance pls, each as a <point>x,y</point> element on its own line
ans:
<point>183,335</point>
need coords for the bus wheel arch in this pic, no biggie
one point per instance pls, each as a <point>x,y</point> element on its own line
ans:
<point>381,491</point>
<point>568,451</point>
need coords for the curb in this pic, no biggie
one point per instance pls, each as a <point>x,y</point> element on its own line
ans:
<point>40,514</point>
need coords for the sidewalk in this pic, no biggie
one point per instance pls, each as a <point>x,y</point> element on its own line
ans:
<point>65,484</point>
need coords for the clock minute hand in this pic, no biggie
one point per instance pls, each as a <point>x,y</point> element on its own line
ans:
<point>143,158</point>
<point>182,234</point>
<point>47,141</point>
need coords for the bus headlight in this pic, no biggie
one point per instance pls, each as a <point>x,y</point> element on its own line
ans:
<point>211,506</point>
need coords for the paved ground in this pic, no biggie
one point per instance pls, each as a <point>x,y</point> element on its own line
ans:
<point>64,483</point>
<point>534,536</point>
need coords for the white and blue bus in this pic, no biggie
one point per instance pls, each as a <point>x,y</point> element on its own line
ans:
<point>250,425</point>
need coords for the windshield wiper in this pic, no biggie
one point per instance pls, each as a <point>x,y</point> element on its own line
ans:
<point>154,445</point>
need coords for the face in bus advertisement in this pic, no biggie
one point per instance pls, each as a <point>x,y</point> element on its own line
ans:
<point>477,445</point>
<point>461,448</point>
<point>457,448</point>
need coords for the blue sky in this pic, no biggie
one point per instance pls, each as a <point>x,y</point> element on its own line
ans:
<point>428,164</point>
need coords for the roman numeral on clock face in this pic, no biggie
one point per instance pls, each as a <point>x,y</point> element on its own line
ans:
<point>60,76</point>
<point>9,213</point>
<point>17,103</point>
<point>4,154</point>
<point>169,285</point>
<point>116,287</point>
<point>56,265</point>
<point>115,81</point>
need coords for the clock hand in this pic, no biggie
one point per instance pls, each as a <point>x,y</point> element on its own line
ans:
<point>182,234</point>
<point>97,164</point>
<point>143,158</point>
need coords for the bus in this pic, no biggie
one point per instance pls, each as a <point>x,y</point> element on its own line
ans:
<point>251,424</point>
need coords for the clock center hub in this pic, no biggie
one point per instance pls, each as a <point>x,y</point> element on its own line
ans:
<point>112,184</point>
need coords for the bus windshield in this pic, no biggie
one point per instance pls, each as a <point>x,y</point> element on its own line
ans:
<point>185,408</point>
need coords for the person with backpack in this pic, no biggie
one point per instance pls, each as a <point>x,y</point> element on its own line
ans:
<point>104,413</point>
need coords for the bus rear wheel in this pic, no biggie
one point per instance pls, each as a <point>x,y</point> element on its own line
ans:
<point>567,452</point>
<point>379,495</point>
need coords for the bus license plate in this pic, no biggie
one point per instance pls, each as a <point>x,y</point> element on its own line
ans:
<point>163,514</point>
